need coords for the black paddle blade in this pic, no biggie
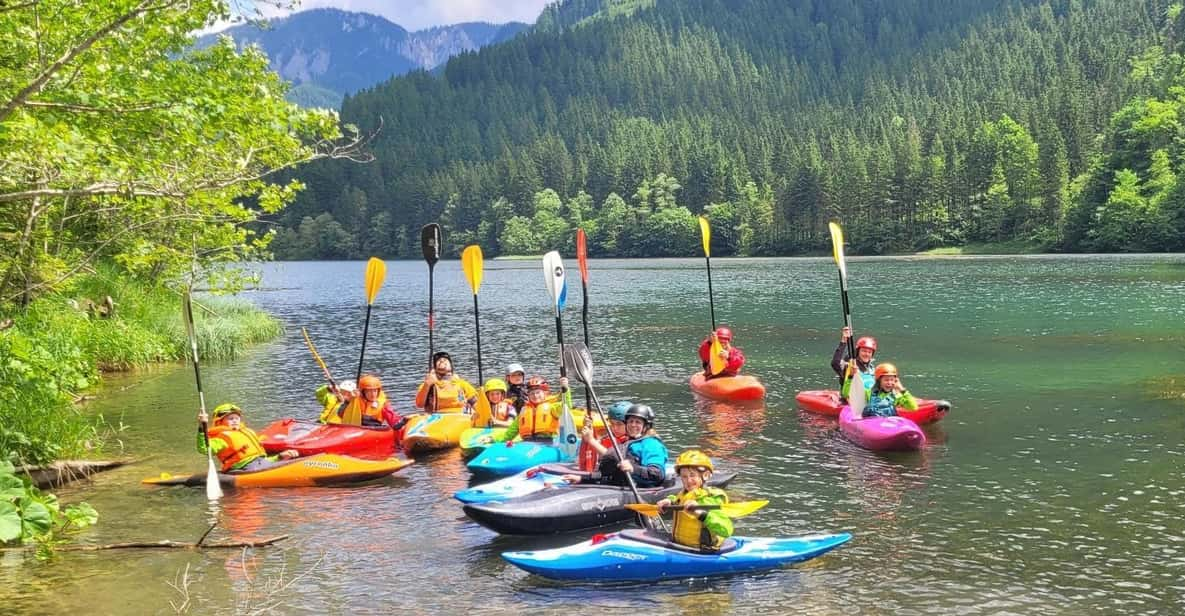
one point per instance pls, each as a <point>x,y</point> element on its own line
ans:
<point>577,359</point>
<point>430,241</point>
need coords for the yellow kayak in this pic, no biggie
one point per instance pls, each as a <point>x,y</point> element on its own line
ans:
<point>435,431</point>
<point>323,469</point>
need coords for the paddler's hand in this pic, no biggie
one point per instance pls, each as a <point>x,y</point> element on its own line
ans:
<point>485,440</point>
<point>663,505</point>
<point>846,334</point>
<point>626,467</point>
<point>431,378</point>
<point>289,454</point>
<point>203,417</point>
<point>586,432</point>
<point>722,354</point>
<point>563,383</point>
<point>570,478</point>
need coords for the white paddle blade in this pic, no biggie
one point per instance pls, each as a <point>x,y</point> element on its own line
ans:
<point>856,398</point>
<point>553,276</point>
<point>568,439</point>
<point>213,485</point>
<point>577,359</point>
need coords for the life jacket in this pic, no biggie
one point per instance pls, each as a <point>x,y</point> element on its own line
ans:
<point>359,407</point>
<point>450,397</point>
<point>538,421</point>
<point>688,530</point>
<point>587,457</point>
<point>501,411</point>
<point>242,445</point>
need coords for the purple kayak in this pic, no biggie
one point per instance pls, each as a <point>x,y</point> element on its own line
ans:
<point>881,433</point>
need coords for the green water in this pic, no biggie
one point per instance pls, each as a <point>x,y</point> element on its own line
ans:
<point>1055,486</point>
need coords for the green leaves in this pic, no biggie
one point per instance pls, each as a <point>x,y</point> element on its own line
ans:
<point>28,514</point>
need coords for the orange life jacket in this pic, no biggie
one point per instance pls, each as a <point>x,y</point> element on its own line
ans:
<point>587,457</point>
<point>501,411</point>
<point>359,407</point>
<point>538,421</point>
<point>241,445</point>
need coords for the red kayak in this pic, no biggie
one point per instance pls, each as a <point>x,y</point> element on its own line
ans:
<point>728,388</point>
<point>826,402</point>
<point>311,437</point>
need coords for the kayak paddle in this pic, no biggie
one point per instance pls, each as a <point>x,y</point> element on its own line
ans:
<point>471,263</point>
<point>581,362</point>
<point>213,486</point>
<point>706,234</point>
<point>582,260</point>
<point>376,270</point>
<point>716,364</point>
<point>567,439</point>
<point>732,510</point>
<point>430,243</point>
<point>837,250</point>
<point>317,356</point>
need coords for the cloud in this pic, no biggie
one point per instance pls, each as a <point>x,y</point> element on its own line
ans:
<point>420,14</point>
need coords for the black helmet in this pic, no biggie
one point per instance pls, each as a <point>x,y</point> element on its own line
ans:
<point>641,411</point>
<point>439,355</point>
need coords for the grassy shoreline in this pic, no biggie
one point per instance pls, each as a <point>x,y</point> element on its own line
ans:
<point>59,346</point>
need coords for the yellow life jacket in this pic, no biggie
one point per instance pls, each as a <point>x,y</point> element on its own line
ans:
<point>450,395</point>
<point>329,404</point>
<point>241,445</point>
<point>538,421</point>
<point>687,529</point>
<point>360,407</point>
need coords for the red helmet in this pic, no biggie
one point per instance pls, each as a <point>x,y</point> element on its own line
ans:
<point>537,382</point>
<point>866,342</point>
<point>724,334</point>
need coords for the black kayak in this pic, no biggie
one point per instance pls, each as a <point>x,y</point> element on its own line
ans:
<point>570,508</point>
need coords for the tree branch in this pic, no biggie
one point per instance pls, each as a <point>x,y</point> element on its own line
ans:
<point>92,109</point>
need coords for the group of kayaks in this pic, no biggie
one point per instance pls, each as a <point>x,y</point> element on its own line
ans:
<point>900,433</point>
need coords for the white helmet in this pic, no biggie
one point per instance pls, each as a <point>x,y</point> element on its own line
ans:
<point>512,368</point>
<point>348,385</point>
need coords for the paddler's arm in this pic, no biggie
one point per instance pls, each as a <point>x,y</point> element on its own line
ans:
<point>714,520</point>
<point>422,394</point>
<point>906,400</point>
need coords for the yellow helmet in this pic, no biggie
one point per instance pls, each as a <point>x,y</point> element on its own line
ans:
<point>222,410</point>
<point>496,385</point>
<point>694,457</point>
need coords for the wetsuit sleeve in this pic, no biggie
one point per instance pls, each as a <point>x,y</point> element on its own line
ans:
<point>907,401</point>
<point>704,349</point>
<point>511,432</point>
<point>715,521</point>
<point>652,463</point>
<point>216,444</point>
<point>324,397</point>
<point>736,359</point>
<point>837,360</point>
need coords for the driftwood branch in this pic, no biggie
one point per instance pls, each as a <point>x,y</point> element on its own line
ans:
<point>148,545</point>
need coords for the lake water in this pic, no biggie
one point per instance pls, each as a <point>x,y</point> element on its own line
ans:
<point>1055,486</point>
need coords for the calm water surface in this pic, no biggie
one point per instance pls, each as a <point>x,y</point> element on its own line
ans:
<point>1054,487</point>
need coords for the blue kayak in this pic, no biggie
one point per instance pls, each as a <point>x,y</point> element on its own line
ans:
<point>527,482</point>
<point>503,459</point>
<point>638,555</point>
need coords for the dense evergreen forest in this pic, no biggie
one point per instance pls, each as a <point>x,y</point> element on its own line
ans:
<point>1049,124</point>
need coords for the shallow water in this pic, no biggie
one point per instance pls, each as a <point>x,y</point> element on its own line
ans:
<point>1055,486</point>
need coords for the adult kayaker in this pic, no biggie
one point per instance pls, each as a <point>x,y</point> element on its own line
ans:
<point>444,392</point>
<point>516,390</point>
<point>334,401</point>
<point>865,350</point>
<point>703,529</point>
<point>371,406</point>
<point>592,447</point>
<point>236,446</point>
<point>502,411</point>
<point>732,356</point>
<point>888,393</point>
<point>645,454</point>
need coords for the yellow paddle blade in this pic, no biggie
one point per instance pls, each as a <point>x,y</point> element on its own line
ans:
<point>716,364</point>
<point>732,510</point>
<point>376,270</point>
<point>482,413</point>
<point>837,245</point>
<point>471,263</point>
<point>706,232</point>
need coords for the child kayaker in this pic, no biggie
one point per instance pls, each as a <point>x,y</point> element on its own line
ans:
<point>516,389</point>
<point>865,349</point>
<point>235,445</point>
<point>502,411</point>
<point>695,527</point>
<point>444,392</point>
<point>371,407</point>
<point>732,356</point>
<point>645,454</point>
<point>593,448</point>
<point>333,401</point>
<point>888,393</point>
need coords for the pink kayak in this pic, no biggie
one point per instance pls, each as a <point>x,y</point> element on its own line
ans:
<point>728,388</point>
<point>881,433</point>
<point>827,402</point>
<point>310,437</point>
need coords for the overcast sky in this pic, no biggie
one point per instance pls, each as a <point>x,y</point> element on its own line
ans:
<point>420,14</point>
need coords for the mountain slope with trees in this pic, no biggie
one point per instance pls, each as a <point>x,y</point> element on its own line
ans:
<point>918,123</point>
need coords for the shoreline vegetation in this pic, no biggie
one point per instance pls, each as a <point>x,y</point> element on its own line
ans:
<point>58,347</point>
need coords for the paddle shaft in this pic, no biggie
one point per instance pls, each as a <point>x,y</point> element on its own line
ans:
<point>584,322</point>
<point>711,299</point>
<point>477,326</point>
<point>197,371</point>
<point>431,317</point>
<point>847,319</point>
<point>365,331</point>
<point>317,356</point>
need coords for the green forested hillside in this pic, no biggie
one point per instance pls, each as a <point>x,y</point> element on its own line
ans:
<point>918,123</point>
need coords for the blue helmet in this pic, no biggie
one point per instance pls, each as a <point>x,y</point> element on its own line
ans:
<point>618,409</point>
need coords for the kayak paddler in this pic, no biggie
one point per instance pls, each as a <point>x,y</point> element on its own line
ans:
<point>888,393</point>
<point>371,406</point>
<point>732,356</point>
<point>702,529</point>
<point>235,445</point>
<point>865,350</point>
<point>333,401</point>
<point>444,392</point>
<point>645,455</point>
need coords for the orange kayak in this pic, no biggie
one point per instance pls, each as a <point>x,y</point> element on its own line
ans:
<point>728,388</point>
<point>323,469</point>
<point>827,402</point>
